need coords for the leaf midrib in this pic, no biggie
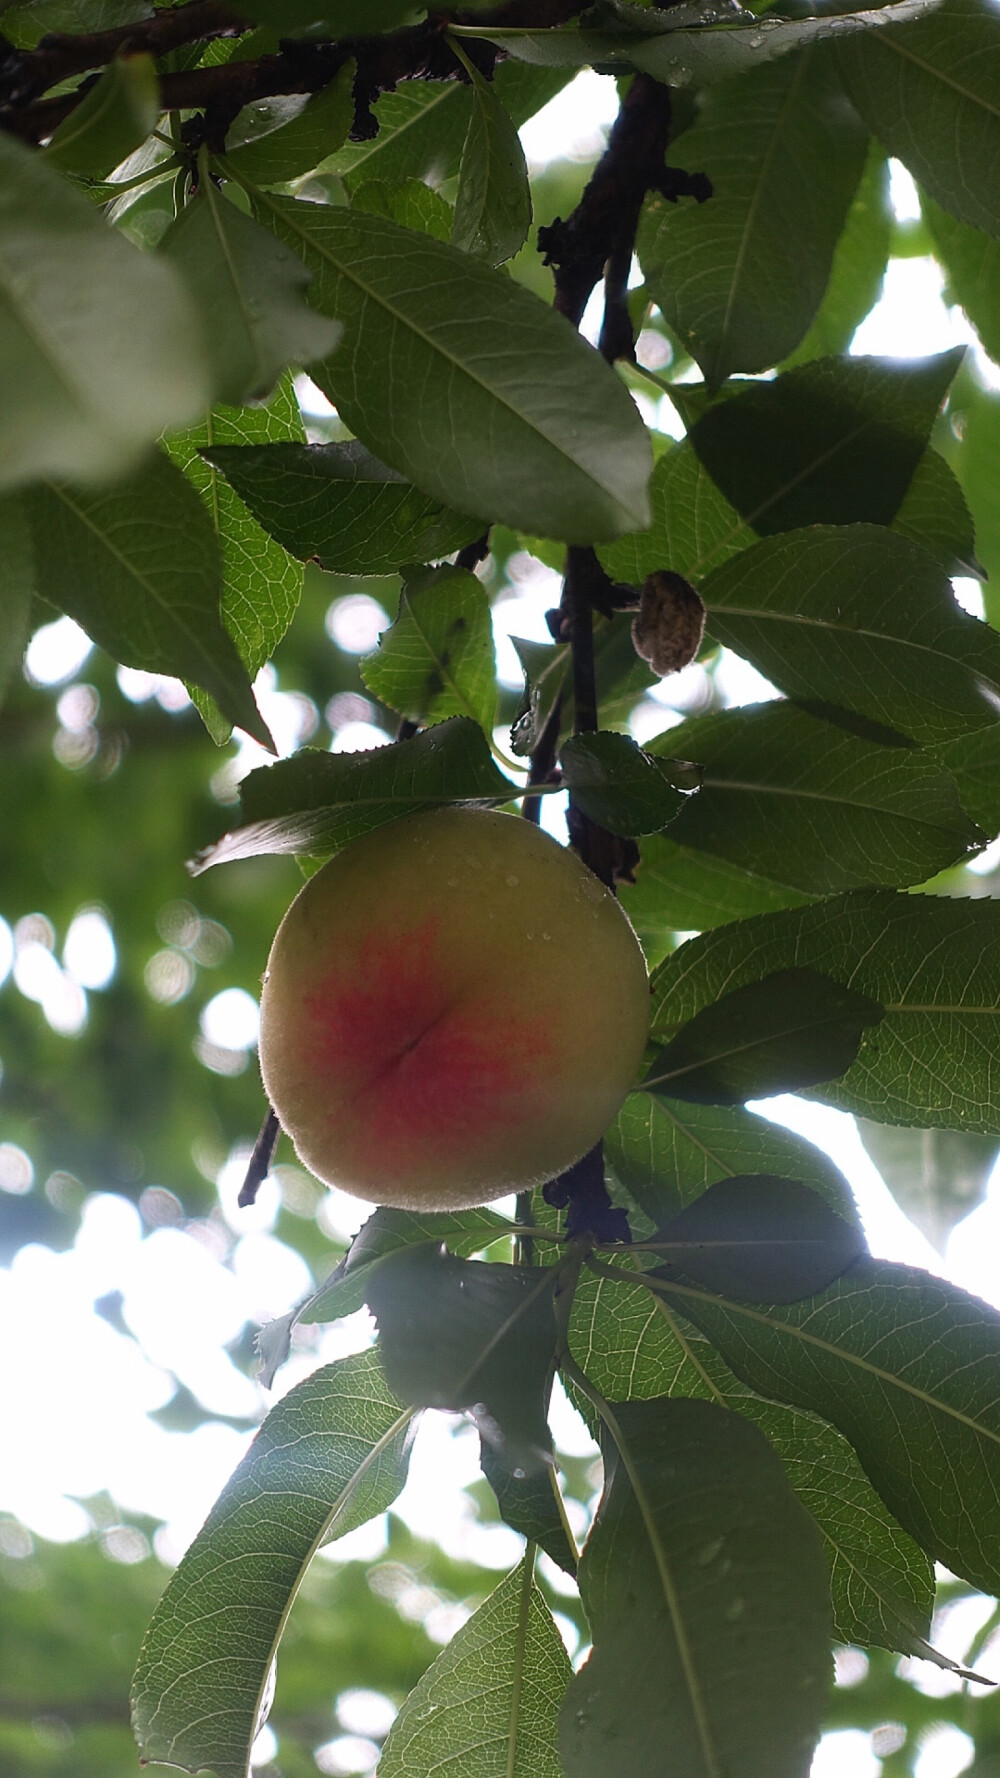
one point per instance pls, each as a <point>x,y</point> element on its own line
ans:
<point>172,614</point>
<point>433,346</point>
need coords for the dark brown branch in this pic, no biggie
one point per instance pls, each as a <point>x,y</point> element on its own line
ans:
<point>300,66</point>
<point>61,55</point>
<point>582,1193</point>
<point>598,239</point>
<point>259,1164</point>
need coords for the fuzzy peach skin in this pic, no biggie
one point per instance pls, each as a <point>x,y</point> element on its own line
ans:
<point>454,1008</point>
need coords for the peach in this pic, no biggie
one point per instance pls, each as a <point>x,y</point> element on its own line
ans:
<point>454,1008</point>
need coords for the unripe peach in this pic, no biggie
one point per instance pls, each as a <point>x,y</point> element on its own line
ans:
<point>454,1008</point>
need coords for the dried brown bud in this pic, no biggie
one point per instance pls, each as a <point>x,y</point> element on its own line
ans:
<point>669,624</point>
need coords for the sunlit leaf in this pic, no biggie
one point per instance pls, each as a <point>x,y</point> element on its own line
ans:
<point>330,1455</point>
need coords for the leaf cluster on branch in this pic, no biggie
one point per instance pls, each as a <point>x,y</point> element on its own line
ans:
<point>196,204</point>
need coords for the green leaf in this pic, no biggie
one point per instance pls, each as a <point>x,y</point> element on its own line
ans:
<point>791,1029</point>
<point>667,1154</point>
<point>661,44</point>
<point>799,799</point>
<point>330,1455</point>
<point>568,453</point>
<point>935,515</point>
<point>680,890</point>
<point>932,963</point>
<point>703,1577</point>
<point>422,126</point>
<point>971,262</point>
<point>527,1503</point>
<point>929,91</point>
<point>759,1238</point>
<point>622,788</point>
<point>461,1333</point>
<point>261,584</point>
<point>249,293</point>
<point>488,1705</point>
<point>110,122</point>
<point>935,1176</point>
<point>85,387</point>
<point>25,25</point>
<point>855,616</point>
<point>859,263</point>
<point>317,803</point>
<point>545,666</point>
<point>974,761</point>
<point>409,202</point>
<point>493,201</point>
<point>17,587</point>
<point>343,1292</point>
<point>903,1365</point>
<point>740,278</point>
<point>437,659</point>
<point>632,1345</point>
<point>138,567</point>
<point>338,505</point>
<point>693,526</point>
<point>828,443</point>
<point>298,145</point>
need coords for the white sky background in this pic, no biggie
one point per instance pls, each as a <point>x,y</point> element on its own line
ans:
<point>77,1399</point>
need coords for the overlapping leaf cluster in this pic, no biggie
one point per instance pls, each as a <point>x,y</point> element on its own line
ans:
<point>792,1430</point>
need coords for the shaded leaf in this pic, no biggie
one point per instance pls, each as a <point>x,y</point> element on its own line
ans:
<point>86,387</point>
<point>932,963</point>
<point>487,1707</point>
<point>792,1029</point>
<point>633,1345</point>
<point>760,1238</point>
<point>903,1365</point>
<point>304,140</point>
<point>437,659</point>
<point>740,278</point>
<point>249,293</point>
<point>17,587</point>
<point>935,1176</point>
<point>493,201</point>
<point>859,263</point>
<point>935,515</point>
<point>622,788</point>
<point>337,505</point>
<point>458,1333</point>
<point>702,1577</point>
<point>797,799</point>
<point>330,1455</point>
<point>568,453</point>
<point>112,119</point>
<point>545,666</point>
<point>667,1154</point>
<point>138,567</point>
<point>699,43</point>
<point>928,90</point>
<point>833,442</point>
<point>343,1292</point>
<point>855,616</point>
<point>680,890</point>
<point>971,262</point>
<point>319,802</point>
<point>527,1503</point>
